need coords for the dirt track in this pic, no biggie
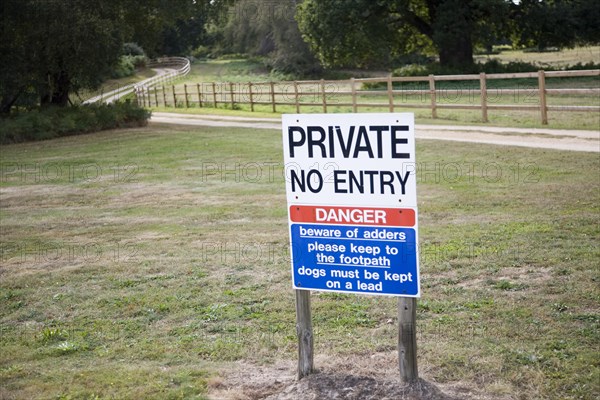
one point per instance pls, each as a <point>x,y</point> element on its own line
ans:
<point>557,139</point>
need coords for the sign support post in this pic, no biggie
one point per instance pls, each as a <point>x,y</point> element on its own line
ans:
<point>407,339</point>
<point>305,333</point>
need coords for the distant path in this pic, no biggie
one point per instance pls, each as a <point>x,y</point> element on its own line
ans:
<point>114,95</point>
<point>556,139</point>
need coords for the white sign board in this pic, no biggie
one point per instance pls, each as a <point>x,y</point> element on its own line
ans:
<point>352,203</point>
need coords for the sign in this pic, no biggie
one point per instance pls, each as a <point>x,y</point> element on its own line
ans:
<point>352,203</point>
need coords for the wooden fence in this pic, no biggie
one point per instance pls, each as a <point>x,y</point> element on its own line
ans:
<point>428,92</point>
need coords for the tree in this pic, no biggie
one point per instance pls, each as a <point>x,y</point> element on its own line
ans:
<point>173,27</point>
<point>339,31</point>
<point>555,23</point>
<point>269,28</point>
<point>51,48</point>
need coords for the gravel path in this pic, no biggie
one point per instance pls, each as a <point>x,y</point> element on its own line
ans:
<point>557,139</point>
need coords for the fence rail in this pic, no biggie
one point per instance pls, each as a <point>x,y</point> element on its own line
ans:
<point>429,92</point>
<point>179,66</point>
<point>174,67</point>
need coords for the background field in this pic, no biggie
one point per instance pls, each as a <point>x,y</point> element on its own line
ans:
<point>501,92</point>
<point>146,263</point>
<point>557,59</point>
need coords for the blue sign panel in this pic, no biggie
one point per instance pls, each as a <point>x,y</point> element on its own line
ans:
<point>355,259</point>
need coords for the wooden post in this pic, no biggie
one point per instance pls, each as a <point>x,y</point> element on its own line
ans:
<point>273,96</point>
<point>186,95</point>
<point>390,88</point>
<point>542,91</point>
<point>353,83</point>
<point>251,96</point>
<point>156,96</point>
<point>199,95</point>
<point>164,96</point>
<point>214,89</point>
<point>174,97</point>
<point>407,339</point>
<point>324,95</point>
<point>296,97</point>
<point>432,94</point>
<point>231,97</point>
<point>305,333</point>
<point>483,88</point>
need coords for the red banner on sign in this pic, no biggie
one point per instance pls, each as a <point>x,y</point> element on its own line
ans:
<point>353,215</point>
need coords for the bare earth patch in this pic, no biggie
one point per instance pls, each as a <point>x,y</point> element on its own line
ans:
<point>373,377</point>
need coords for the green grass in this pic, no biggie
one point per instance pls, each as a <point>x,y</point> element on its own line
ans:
<point>557,59</point>
<point>228,70</point>
<point>142,263</point>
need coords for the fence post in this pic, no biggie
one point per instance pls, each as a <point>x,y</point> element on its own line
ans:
<point>353,84</point>
<point>199,95</point>
<point>542,91</point>
<point>324,95</point>
<point>164,96</point>
<point>251,96</point>
<point>214,89</point>
<point>272,84</point>
<point>156,95</point>
<point>483,88</point>
<point>296,97</point>
<point>390,92</point>
<point>185,92</point>
<point>432,94</point>
<point>231,98</point>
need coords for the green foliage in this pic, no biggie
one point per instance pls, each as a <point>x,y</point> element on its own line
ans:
<point>361,32</point>
<point>133,49</point>
<point>127,66</point>
<point>558,23</point>
<point>55,47</point>
<point>54,122</point>
<point>353,33</point>
<point>50,49</point>
<point>269,29</point>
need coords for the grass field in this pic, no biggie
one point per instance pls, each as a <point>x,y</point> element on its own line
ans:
<point>557,59</point>
<point>146,263</point>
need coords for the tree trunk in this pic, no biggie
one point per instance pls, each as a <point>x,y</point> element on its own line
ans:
<point>458,53</point>
<point>61,88</point>
<point>452,32</point>
<point>7,103</point>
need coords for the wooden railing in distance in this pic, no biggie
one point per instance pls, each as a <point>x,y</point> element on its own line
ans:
<point>434,92</point>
